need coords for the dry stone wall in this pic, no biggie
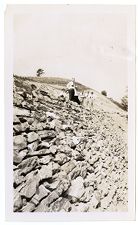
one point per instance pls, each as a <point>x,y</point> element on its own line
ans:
<point>65,157</point>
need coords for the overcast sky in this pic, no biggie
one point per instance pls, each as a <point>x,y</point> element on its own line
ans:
<point>74,41</point>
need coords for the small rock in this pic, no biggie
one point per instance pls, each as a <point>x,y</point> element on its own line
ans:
<point>33,175</point>
<point>74,173</point>
<point>94,202</point>
<point>30,120</point>
<point>61,158</point>
<point>82,207</point>
<point>103,156</point>
<point>24,126</point>
<point>67,207</point>
<point>105,202</point>
<point>41,193</point>
<point>52,115</point>
<point>39,126</point>
<point>65,149</point>
<point>43,118</point>
<point>104,188</point>
<point>63,186</point>
<point>45,159</point>
<point>43,144</point>
<point>68,167</point>
<point>53,149</point>
<point>18,179</point>
<point>41,152</point>
<point>93,159</point>
<point>19,142</point>
<point>17,202</point>
<point>54,185</point>
<point>21,112</point>
<point>33,146</point>
<point>108,199</point>
<point>75,141</point>
<point>61,135</point>
<point>33,126</point>
<point>47,134</point>
<point>16,120</point>
<point>19,188</point>
<point>55,167</point>
<point>18,156</point>
<point>17,128</point>
<point>30,189</point>
<point>29,207</point>
<point>58,204</point>
<point>87,194</point>
<point>55,124</point>
<point>45,172</point>
<point>42,207</point>
<point>77,188</point>
<point>90,179</point>
<point>28,165</point>
<point>65,127</point>
<point>51,197</point>
<point>23,119</point>
<point>32,137</point>
<point>77,155</point>
<point>17,100</point>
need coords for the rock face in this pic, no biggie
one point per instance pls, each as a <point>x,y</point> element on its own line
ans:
<point>66,157</point>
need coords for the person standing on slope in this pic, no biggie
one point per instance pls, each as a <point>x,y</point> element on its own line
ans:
<point>71,88</point>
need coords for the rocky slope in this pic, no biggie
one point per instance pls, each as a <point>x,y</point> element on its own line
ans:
<point>66,157</point>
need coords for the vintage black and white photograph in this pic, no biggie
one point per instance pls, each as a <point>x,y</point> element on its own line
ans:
<point>70,108</point>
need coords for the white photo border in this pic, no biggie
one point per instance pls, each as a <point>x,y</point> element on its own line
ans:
<point>89,216</point>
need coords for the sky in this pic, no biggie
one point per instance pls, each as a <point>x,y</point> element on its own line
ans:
<point>74,41</point>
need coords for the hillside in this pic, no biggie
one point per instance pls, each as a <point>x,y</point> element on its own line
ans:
<point>55,81</point>
<point>66,157</point>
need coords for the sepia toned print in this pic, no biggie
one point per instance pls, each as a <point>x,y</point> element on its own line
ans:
<point>67,156</point>
<point>70,111</point>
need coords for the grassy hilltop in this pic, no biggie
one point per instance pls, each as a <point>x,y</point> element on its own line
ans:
<point>56,81</point>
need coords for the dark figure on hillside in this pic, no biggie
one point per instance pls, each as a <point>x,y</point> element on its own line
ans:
<point>71,88</point>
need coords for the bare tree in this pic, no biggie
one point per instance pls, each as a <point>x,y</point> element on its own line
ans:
<point>39,72</point>
<point>124,100</point>
<point>104,93</point>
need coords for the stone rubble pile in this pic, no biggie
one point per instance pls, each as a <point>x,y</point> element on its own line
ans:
<point>67,158</point>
